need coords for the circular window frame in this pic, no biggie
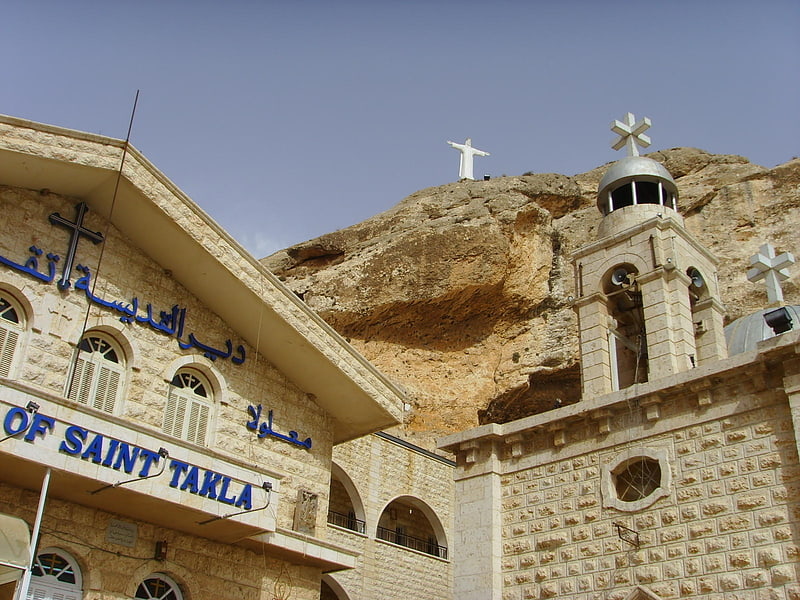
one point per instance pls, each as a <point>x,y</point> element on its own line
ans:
<point>608,479</point>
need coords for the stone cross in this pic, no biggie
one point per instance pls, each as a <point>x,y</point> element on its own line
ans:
<point>467,152</point>
<point>630,134</point>
<point>78,230</point>
<point>773,269</point>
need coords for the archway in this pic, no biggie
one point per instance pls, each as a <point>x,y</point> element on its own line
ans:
<point>330,589</point>
<point>408,521</point>
<point>345,508</point>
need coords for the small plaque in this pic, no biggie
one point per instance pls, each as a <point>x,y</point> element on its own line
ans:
<point>121,533</point>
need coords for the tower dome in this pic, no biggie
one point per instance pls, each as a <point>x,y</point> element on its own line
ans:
<point>635,188</point>
<point>636,180</point>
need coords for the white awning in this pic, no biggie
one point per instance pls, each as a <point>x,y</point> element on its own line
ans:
<point>15,542</point>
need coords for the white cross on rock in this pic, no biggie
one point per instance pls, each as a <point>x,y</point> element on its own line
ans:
<point>630,134</point>
<point>773,269</point>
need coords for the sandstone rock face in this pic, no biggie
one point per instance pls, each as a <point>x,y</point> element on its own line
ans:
<point>460,293</point>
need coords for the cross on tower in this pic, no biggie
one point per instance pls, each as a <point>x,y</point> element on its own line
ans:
<point>773,269</point>
<point>631,133</point>
<point>78,230</point>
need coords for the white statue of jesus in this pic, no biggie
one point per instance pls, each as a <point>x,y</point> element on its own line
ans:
<point>467,152</point>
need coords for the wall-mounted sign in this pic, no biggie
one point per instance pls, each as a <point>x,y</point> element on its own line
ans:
<point>170,323</point>
<point>128,458</point>
<point>121,533</point>
<point>265,428</point>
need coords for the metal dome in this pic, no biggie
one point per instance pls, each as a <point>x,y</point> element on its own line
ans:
<point>746,332</point>
<point>635,167</point>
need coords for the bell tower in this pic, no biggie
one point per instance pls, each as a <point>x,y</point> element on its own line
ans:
<point>647,294</point>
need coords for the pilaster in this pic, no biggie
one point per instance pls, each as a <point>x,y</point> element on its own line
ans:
<point>709,329</point>
<point>477,544</point>
<point>596,360</point>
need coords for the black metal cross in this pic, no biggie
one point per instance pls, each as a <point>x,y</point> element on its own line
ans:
<point>78,230</point>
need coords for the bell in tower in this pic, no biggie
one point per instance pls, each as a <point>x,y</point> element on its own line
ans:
<point>648,302</point>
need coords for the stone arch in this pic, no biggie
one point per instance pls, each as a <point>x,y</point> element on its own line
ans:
<point>699,293</point>
<point>335,587</point>
<point>421,530</point>
<point>15,323</point>
<point>627,331</point>
<point>594,277</point>
<point>177,573</point>
<point>339,511</point>
<point>25,300</point>
<point>113,328</point>
<point>201,363</point>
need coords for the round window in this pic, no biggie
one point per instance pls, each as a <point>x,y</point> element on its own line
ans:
<point>637,479</point>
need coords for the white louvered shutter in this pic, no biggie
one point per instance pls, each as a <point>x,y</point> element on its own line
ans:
<point>188,411</point>
<point>198,423</point>
<point>81,386</point>
<point>8,344</point>
<point>174,413</point>
<point>98,374</point>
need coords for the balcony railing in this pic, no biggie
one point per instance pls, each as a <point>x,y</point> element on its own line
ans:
<point>402,539</point>
<point>346,521</point>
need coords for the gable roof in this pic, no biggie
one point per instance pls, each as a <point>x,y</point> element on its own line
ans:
<point>178,235</point>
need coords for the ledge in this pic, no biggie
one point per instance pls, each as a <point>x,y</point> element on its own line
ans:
<point>302,549</point>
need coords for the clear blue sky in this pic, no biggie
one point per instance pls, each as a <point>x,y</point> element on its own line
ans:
<point>286,120</point>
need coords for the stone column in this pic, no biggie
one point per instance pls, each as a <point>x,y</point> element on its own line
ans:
<point>791,385</point>
<point>668,322</point>
<point>593,318</point>
<point>477,544</point>
<point>709,330</point>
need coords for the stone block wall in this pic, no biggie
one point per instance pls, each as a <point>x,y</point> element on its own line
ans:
<point>205,570</point>
<point>57,321</point>
<point>382,471</point>
<point>729,527</point>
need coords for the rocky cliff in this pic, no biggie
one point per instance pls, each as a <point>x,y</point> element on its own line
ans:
<point>460,293</point>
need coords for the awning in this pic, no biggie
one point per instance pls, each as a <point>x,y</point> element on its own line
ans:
<point>15,542</point>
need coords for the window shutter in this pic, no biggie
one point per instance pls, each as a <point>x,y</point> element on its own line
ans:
<point>198,422</point>
<point>8,343</point>
<point>81,381</point>
<point>107,386</point>
<point>175,413</point>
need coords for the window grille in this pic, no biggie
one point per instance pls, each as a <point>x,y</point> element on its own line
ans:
<point>158,587</point>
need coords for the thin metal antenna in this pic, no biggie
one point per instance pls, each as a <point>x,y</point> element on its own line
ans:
<point>103,245</point>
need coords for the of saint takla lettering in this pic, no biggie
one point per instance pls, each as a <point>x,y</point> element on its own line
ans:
<point>187,477</point>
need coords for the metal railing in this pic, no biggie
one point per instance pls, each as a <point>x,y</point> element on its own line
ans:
<point>346,521</point>
<point>402,539</point>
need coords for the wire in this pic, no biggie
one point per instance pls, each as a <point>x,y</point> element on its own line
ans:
<point>74,364</point>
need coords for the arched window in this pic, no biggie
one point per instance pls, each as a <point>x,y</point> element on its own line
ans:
<point>188,409</point>
<point>98,375</point>
<point>158,587</point>
<point>55,576</point>
<point>12,324</point>
<point>409,522</point>
<point>345,508</point>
